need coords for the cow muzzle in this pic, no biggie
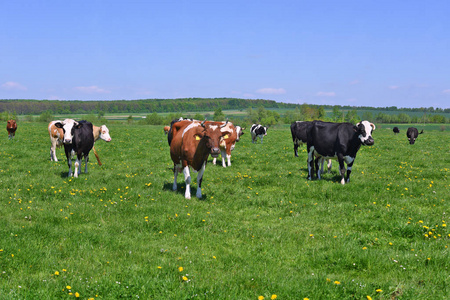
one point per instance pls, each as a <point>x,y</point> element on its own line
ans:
<point>68,141</point>
<point>369,141</point>
<point>215,152</point>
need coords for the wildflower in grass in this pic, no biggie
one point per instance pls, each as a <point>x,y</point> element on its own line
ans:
<point>68,287</point>
<point>273,297</point>
<point>77,294</point>
<point>180,269</point>
<point>368,297</point>
<point>56,273</point>
<point>337,282</point>
<point>185,278</point>
<point>364,248</point>
<point>159,267</point>
<point>260,297</point>
<point>378,290</point>
<point>305,298</point>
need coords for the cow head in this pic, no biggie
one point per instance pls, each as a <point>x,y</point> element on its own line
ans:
<point>104,133</point>
<point>364,130</point>
<point>239,132</point>
<point>212,136</point>
<point>68,126</point>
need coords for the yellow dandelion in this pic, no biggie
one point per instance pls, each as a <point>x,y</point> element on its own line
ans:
<point>68,287</point>
<point>273,297</point>
<point>260,297</point>
<point>378,290</point>
<point>180,269</point>
<point>364,248</point>
<point>56,273</point>
<point>369,298</point>
<point>185,278</point>
<point>77,294</point>
<point>337,282</point>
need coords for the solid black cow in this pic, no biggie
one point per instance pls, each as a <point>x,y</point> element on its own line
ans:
<point>258,131</point>
<point>338,140</point>
<point>396,130</point>
<point>78,140</point>
<point>412,133</point>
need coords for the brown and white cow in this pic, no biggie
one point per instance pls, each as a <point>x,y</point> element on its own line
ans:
<point>56,138</point>
<point>101,132</point>
<point>190,147</point>
<point>11,127</point>
<point>229,141</point>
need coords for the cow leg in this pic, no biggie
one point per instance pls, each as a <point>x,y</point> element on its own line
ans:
<point>228,154</point>
<point>329,166</point>
<point>86,161</point>
<point>310,162</point>
<point>319,161</point>
<point>77,165</point>
<point>69,162</point>
<point>175,175</point>
<point>261,139</point>
<point>349,171</point>
<point>341,168</point>
<point>187,179</point>
<point>200,180</point>
<point>229,160</point>
<point>214,160</point>
<point>224,155</point>
<point>296,149</point>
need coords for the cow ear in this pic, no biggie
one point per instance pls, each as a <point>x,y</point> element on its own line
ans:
<point>78,125</point>
<point>58,125</point>
<point>198,136</point>
<point>355,127</point>
<point>373,126</point>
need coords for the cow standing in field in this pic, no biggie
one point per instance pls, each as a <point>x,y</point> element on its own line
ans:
<point>337,140</point>
<point>56,138</point>
<point>190,147</point>
<point>412,134</point>
<point>396,130</point>
<point>78,140</point>
<point>258,131</point>
<point>101,132</point>
<point>229,141</point>
<point>299,132</point>
<point>11,127</point>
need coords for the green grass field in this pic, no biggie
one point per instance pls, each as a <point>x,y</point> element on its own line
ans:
<point>261,229</point>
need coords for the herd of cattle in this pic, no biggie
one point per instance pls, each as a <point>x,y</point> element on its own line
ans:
<point>192,142</point>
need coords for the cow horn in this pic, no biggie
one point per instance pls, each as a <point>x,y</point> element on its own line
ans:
<point>222,126</point>
<point>203,123</point>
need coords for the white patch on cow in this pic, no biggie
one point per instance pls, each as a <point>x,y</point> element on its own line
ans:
<point>187,179</point>
<point>199,178</point>
<point>213,127</point>
<point>77,165</point>
<point>67,127</point>
<point>104,133</point>
<point>369,127</point>
<point>229,160</point>
<point>189,127</point>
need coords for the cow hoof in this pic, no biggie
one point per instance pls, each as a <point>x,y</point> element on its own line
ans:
<point>342,181</point>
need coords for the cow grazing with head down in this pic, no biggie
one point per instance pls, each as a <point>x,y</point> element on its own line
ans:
<point>396,130</point>
<point>190,147</point>
<point>11,127</point>
<point>229,141</point>
<point>337,140</point>
<point>258,131</point>
<point>101,132</point>
<point>78,140</point>
<point>412,133</point>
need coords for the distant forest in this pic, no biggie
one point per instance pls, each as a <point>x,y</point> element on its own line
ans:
<point>266,111</point>
<point>36,107</point>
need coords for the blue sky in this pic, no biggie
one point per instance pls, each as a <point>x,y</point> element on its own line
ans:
<point>361,53</point>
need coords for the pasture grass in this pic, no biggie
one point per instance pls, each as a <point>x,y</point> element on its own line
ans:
<point>261,229</point>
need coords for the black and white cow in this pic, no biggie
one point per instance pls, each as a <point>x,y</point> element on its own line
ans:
<point>258,131</point>
<point>337,140</point>
<point>412,133</point>
<point>78,140</point>
<point>299,132</point>
<point>396,130</point>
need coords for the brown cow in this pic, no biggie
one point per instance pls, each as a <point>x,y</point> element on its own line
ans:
<point>229,142</point>
<point>11,127</point>
<point>166,129</point>
<point>192,143</point>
